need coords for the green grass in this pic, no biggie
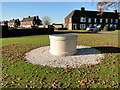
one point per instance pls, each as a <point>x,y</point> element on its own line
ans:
<point>17,73</point>
<point>38,39</point>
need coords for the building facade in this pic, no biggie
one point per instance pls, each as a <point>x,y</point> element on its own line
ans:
<point>14,23</point>
<point>81,19</point>
<point>30,21</point>
<point>3,23</point>
<point>57,25</point>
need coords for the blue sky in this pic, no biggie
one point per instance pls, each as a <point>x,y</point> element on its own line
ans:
<point>57,11</point>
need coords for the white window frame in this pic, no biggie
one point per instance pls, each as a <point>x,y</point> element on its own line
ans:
<point>90,25</point>
<point>106,20</point>
<point>111,25</point>
<point>83,26</point>
<point>95,20</point>
<point>100,20</point>
<point>83,19</point>
<point>75,26</point>
<point>89,20</point>
<point>115,25</point>
<point>116,20</point>
<point>106,25</point>
<point>95,25</point>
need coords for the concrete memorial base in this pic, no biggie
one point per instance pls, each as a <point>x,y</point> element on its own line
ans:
<point>85,56</point>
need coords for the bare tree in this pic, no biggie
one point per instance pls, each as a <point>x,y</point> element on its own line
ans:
<point>107,4</point>
<point>46,20</point>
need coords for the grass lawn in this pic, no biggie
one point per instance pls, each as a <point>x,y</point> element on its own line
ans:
<point>16,73</point>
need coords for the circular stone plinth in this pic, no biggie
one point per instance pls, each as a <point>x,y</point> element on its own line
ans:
<point>63,44</point>
<point>85,56</point>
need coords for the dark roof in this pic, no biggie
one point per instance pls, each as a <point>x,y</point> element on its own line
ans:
<point>13,21</point>
<point>29,19</point>
<point>78,13</point>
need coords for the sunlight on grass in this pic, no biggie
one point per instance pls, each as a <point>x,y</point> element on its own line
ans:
<point>16,73</point>
<point>38,39</point>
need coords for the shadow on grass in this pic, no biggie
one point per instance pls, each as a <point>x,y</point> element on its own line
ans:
<point>108,49</point>
<point>63,32</point>
<point>26,32</point>
<point>88,51</point>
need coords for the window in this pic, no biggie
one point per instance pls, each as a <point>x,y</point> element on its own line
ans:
<point>89,19</point>
<point>115,26</point>
<point>74,26</point>
<point>107,25</point>
<point>100,20</point>
<point>82,26</point>
<point>116,20</point>
<point>111,20</point>
<point>83,19</point>
<point>90,25</point>
<point>111,25</point>
<point>106,20</point>
<point>95,25</point>
<point>95,20</point>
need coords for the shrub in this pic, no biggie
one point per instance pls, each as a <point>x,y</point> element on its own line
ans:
<point>106,28</point>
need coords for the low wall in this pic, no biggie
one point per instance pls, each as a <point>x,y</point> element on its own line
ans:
<point>26,32</point>
<point>61,29</point>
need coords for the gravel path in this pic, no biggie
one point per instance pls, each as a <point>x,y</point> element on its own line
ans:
<point>85,56</point>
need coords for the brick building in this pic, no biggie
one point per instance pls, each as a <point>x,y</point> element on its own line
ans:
<point>14,23</point>
<point>57,25</point>
<point>81,19</point>
<point>30,21</point>
<point>3,23</point>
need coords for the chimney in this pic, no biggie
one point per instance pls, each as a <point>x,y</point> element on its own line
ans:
<point>82,9</point>
<point>114,11</point>
<point>28,16</point>
<point>37,17</point>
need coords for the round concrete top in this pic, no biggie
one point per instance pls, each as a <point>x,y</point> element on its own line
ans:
<point>62,36</point>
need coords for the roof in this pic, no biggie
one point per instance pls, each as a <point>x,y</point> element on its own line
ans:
<point>28,19</point>
<point>13,21</point>
<point>78,13</point>
<point>2,22</point>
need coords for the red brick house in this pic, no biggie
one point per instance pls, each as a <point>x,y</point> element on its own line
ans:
<point>81,19</point>
<point>14,23</point>
<point>3,23</point>
<point>30,21</point>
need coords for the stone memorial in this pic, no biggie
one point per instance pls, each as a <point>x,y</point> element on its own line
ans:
<point>64,52</point>
<point>63,44</point>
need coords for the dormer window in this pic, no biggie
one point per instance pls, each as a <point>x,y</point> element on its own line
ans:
<point>83,19</point>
